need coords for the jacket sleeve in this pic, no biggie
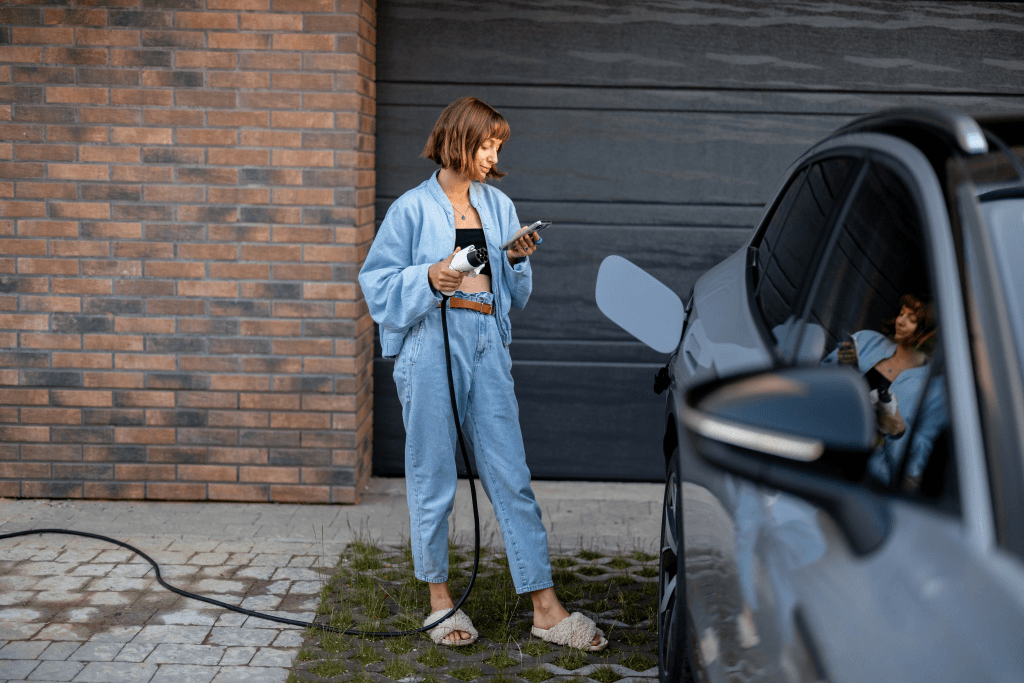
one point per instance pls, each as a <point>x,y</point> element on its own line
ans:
<point>520,276</point>
<point>397,291</point>
<point>932,418</point>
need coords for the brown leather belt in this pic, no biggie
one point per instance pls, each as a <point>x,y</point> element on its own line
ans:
<point>486,309</point>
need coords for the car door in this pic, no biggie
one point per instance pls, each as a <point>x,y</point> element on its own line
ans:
<point>806,604</point>
<point>745,315</point>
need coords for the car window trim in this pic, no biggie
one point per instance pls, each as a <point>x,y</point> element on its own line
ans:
<point>858,157</point>
<point>998,393</point>
<point>825,252</point>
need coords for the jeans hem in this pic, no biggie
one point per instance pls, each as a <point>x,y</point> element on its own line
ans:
<point>432,579</point>
<point>535,587</point>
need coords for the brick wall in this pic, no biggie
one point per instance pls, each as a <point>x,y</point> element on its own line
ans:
<point>186,196</point>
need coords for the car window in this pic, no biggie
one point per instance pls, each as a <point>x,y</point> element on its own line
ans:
<point>792,240</point>
<point>874,295</point>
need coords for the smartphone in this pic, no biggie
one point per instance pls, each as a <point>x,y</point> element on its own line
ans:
<point>535,227</point>
<point>847,337</point>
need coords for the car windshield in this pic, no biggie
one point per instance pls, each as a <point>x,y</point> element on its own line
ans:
<point>1005,219</point>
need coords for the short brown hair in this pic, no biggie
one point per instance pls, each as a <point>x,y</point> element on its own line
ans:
<point>460,130</point>
<point>923,338</point>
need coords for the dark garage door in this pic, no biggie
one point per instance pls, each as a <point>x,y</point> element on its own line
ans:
<point>656,131</point>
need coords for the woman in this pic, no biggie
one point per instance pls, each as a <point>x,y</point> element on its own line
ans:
<point>405,271</point>
<point>897,366</point>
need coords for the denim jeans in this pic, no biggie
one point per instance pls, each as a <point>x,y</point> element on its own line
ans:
<point>487,404</point>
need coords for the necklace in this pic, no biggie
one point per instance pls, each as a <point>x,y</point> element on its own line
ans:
<point>463,211</point>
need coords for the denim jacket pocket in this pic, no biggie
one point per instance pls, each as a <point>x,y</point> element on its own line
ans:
<point>407,355</point>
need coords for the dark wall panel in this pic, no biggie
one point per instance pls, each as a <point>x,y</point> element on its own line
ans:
<point>619,156</point>
<point>742,45</point>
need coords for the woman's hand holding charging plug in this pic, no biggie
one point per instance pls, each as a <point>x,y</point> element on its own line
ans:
<point>441,275</point>
<point>523,247</point>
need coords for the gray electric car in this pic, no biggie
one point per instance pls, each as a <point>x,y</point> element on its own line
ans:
<point>803,539</point>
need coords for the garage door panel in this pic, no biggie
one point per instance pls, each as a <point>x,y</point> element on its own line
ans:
<point>522,96</point>
<point>873,46</point>
<point>618,156</point>
<point>571,415</point>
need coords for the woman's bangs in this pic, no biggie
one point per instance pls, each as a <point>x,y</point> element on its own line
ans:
<point>499,128</point>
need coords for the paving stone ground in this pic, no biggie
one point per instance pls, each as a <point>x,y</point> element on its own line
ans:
<point>77,609</point>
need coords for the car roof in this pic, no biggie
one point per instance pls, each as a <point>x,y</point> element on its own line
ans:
<point>991,145</point>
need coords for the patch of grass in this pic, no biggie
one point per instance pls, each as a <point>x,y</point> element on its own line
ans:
<point>335,643</point>
<point>373,602</point>
<point>406,622</point>
<point>478,646</point>
<point>328,668</point>
<point>366,563</point>
<point>605,675</point>
<point>398,669</point>
<point>633,614</point>
<point>367,655</point>
<point>637,662</point>
<point>649,588</point>
<point>536,648</point>
<point>386,596</point>
<point>572,659</point>
<point>399,646</point>
<point>466,673</point>
<point>536,674</point>
<point>501,660</point>
<point>637,638</point>
<point>620,563</point>
<point>433,658</point>
<point>365,548</point>
<point>641,556</point>
<point>342,619</point>
<point>647,572</point>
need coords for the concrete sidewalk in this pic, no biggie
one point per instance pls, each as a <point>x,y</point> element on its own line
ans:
<point>75,609</point>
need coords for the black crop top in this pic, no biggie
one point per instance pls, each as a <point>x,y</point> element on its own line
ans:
<point>877,380</point>
<point>475,236</point>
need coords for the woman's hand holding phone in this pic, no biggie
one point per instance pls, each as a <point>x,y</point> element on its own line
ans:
<point>523,247</point>
<point>524,242</point>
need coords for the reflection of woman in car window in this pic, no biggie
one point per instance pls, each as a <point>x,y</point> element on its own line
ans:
<point>896,369</point>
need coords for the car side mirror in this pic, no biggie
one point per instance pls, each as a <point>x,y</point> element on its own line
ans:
<point>638,303</point>
<point>806,431</point>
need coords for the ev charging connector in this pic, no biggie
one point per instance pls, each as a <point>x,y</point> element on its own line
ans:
<point>469,261</point>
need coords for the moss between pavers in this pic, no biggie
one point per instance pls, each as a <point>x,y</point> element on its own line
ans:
<point>373,589</point>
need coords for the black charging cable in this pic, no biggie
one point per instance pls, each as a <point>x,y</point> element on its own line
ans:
<point>306,624</point>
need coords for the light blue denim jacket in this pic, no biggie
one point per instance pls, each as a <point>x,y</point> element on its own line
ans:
<point>417,232</point>
<point>908,390</point>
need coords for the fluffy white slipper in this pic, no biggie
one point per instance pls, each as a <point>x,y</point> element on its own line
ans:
<point>457,622</point>
<point>576,630</point>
